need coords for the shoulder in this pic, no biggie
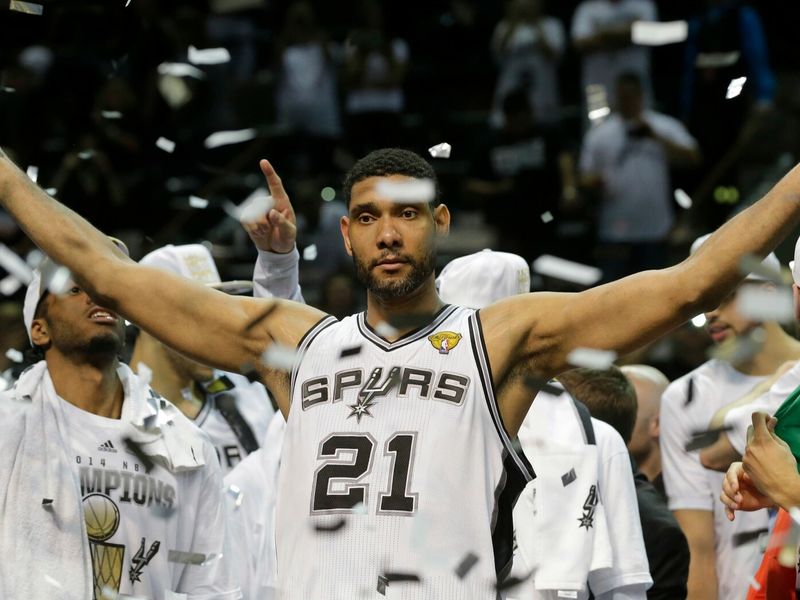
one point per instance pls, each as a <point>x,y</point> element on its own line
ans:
<point>609,441</point>
<point>698,378</point>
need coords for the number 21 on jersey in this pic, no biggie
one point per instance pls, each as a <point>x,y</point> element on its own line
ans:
<point>348,458</point>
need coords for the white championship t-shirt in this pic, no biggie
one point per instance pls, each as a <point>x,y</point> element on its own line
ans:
<point>690,486</point>
<point>144,527</point>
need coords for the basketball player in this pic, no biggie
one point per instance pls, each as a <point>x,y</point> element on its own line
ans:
<point>87,514</point>
<point>723,555</point>
<point>397,457</point>
<point>234,412</point>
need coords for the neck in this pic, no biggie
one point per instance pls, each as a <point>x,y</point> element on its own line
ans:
<point>167,379</point>
<point>650,465</point>
<point>422,301</point>
<point>777,349</point>
<point>92,386</point>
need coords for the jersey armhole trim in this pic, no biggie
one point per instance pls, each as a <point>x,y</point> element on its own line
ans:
<point>303,345</point>
<point>485,374</point>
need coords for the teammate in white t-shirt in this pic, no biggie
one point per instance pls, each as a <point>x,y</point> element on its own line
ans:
<point>723,555</point>
<point>433,454</point>
<point>151,516</point>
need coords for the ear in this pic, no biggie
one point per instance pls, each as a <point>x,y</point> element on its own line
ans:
<point>654,430</point>
<point>40,332</point>
<point>441,217</point>
<point>344,227</point>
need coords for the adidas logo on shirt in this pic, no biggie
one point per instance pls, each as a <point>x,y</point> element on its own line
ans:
<point>107,446</point>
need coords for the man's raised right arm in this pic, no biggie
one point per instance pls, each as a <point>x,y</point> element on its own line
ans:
<point>204,324</point>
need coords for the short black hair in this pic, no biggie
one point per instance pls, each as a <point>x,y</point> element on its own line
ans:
<point>390,161</point>
<point>608,395</point>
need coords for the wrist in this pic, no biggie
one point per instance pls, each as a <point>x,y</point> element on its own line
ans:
<point>788,495</point>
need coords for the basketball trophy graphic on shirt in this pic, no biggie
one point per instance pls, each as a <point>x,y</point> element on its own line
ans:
<point>444,341</point>
<point>102,520</point>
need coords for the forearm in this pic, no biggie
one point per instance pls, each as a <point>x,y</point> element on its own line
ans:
<point>277,275</point>
<point>719,455</point>
<point>77,245</point>
<point>702,581</point>
<point>787,495</point>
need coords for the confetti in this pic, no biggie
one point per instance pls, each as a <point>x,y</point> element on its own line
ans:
<point>740,349</point>
<point>9,284</point>
<point>28,8</point>
<point>281,357</point>
<point>683,199</point>
<point>47,503</point>
<point>566,270</point>
<point>127,3</point>
<point>165,144</point>
<point>412,190</point>
<point>567,594</point>
<point>703,439</point>
<point>385,330</point>
<point>111,114</point>
<point>382,584</point>
<point>236,493</point>
<point>401,577</point>
<point>180,70</point>
<point>150,422</point>
<point>440,150</point>
<point>330,527</point>
<point>754,584</point>
<point>137,451</point>
<point>85,154</point>
<point>310,252</point>
<point>735,87</point>
<point>8,89</point>
<point>546,217</point>
<point>715,60</point>
<point>764,304</point>
<point>466,564</point>
<point>658,33</point>
<point>541,385</point>
<point>53,582</point>
<point>568,477</point>
<point>225,138</point>
<point>15,266</point>
<point>32,172</point>
<point>186,558</point>
<point>255,206</point>
<point>50,191</point>
<point>14,355</point>
<point>752,265</point>
<point>355,350</point>
<point>209,56</point>
<point>197,202</point>
<point>592,358</point>
<point>59,281</point>
<point>699,320</point>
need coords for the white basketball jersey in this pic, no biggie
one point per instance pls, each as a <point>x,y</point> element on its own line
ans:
<point>396,468</point>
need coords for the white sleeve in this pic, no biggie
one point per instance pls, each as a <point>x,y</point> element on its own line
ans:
<point>673,130</point>
<point>740,418</point>
<point>211,537</point>
<point>277,276</point>
<point>685,479</point>
<point>618,494</point>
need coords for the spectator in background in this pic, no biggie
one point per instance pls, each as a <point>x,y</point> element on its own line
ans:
<point>610,397</point>
<point>726,41</point>
<point>601,33</point>
<point>527,45</point>
<point>644,447</point>
<point>523,168</point>
<point>625,161</point>
<point>374,74</point>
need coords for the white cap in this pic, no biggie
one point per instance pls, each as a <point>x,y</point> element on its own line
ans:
<point>770,262</point>
<point>480,279</point>
<point>193,261</point>
<point>42,276</point>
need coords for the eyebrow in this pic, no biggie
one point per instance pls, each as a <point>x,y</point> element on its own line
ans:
<point>364,207</point>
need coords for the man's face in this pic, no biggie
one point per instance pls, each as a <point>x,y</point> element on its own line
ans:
<point>393,244</point>
<point>725,322</point>
<point>74,323</point>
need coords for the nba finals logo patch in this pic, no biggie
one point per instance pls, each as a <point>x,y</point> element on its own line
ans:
<point>444,341</point>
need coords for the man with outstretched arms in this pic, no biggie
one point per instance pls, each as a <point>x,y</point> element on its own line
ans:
<point>397,457</point>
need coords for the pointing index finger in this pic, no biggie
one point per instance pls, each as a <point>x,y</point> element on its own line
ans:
<point>273,180</point>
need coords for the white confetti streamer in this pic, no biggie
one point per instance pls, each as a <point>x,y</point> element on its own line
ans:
<point>59,281</point>
<point>310,252</point>
<point>715,60</point>
<point>50,191</point>
<point>440,150</point>
<point>180,70</point>
<point>546,216</point>
<point>683,199</point>
<point>225,138</point>
<point>197,202</point>
<point>34,258</point>
<point>764,304</point>
<point>413,190</point>
<point>165,144</point>
<point>592,358</point>
<point>385,330</point>
<point>53,582</point>
<point>8,88</point>
<point>29,8</point>
<point>186,558</point>
<point>85,154</point>
<point>208,56</point>
<point>14,355</point>
<point>33,173</point>
<point>659,33</point>
<point>111,114</point>
<point>255,206</point>
<point>9,284</point>
<point>735,87</point>
<point>281,357</point>
<point>699,320</point>
<point>15,265</point>
<point>238,495</point>
<point>566,270</point>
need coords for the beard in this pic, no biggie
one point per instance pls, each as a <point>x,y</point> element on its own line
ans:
<point>108,344</point>
<point>420,270</point>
